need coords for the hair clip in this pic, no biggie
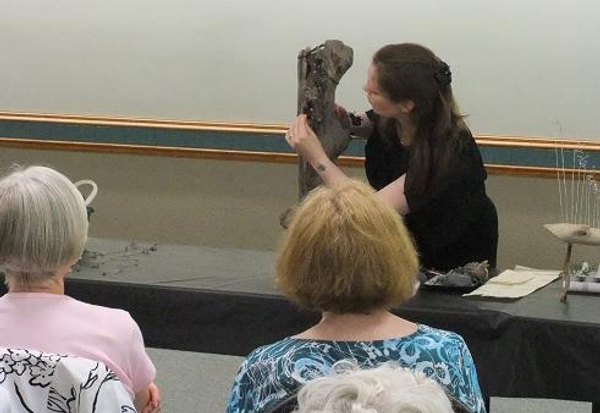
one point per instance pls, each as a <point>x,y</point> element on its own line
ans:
<point>443,75</point>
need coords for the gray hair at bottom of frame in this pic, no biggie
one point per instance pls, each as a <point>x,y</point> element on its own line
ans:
<point>388,388</point>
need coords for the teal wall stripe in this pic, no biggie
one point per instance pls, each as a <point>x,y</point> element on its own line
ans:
<point>540,157</point>
<point>136,135</point>
<point>257,142</point>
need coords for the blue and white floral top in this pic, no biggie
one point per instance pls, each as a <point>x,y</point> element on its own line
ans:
<point>272,372</point>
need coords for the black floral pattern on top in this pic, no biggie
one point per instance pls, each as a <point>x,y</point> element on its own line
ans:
<point>43,382</point>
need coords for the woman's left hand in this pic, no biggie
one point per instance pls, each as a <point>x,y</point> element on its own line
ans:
<point>303,139</point>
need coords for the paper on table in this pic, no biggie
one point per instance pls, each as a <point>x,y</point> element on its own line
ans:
<point>577,286</point>
<point>516,284</point>
<point>521,268</point>
<point>511,277</point>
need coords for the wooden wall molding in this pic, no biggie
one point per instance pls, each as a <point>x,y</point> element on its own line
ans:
<point>146,123</point>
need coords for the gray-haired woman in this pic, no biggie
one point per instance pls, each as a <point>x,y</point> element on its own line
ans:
<point>43,230</point>
<point>385,388</point>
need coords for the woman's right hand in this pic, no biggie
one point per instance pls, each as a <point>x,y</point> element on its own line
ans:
<point>304,141</point>
<point>148,400</point>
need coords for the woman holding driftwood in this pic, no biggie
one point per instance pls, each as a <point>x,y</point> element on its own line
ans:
<point>420,156</point>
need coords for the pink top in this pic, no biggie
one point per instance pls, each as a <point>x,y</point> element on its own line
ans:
<point>60,324</point>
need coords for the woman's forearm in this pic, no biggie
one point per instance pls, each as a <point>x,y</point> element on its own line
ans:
<point>305,142</point>
<point>328,171</point>
<point>394,195</point>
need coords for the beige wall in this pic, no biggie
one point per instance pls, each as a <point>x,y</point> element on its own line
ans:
<point>521,68</point>
<point>237,204</point>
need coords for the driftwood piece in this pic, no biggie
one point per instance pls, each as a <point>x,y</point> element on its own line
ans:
<point>319,72</point>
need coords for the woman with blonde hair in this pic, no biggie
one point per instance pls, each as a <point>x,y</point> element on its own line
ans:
<point>348,255</point>
<point>43,230</point>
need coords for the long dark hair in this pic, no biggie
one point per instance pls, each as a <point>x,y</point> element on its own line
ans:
<point>411,71</point>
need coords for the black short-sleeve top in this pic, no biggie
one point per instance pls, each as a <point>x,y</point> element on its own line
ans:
<point>453,221</point>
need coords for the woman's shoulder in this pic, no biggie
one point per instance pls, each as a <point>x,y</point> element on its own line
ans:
<point>437,332</point>
<point>98,308</point>
<point>109,315</point>
<point>466,141</point>
<point>292,346</point>
<point>289,348</point>
<point>296,349</point>
<point>467,160</point>
<point>293,359</point>
<point>438,335</point>
<point>267,375</point>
